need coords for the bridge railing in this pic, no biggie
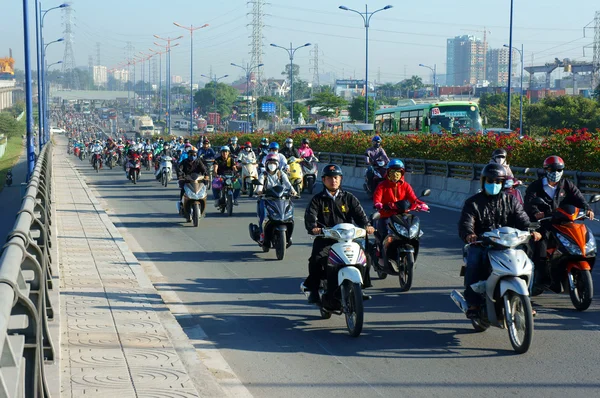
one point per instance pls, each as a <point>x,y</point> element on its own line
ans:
<point>25,277</point>
<point>588,182</point>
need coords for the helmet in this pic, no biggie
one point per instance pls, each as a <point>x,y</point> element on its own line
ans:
<point>206,141</point>
<point>120,140</point>
<point>554,163</point>
<point>305,141</point>
<point>332,170</point>
<point>180,137</point>
<point>225,148</point>
<point>187,145</point>
<point>289,141</point>
<point>395,164</point>
<point>264,141</point>
<point>272,158</point>
<point>192,152</point>
<point>376,139</point>
<point>187,141</point>
<point>499,152</point>
<point>248,144</point>
<point>233,140</point>
<point>273,145</point>
<point>493,171</point>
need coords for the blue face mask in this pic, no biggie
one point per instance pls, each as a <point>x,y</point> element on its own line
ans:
<point>193,157</point>
<point>492,189</point>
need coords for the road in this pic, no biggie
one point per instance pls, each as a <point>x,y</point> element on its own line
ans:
<point>413,344</point>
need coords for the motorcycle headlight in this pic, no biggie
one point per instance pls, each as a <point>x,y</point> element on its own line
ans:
<point>401,229</point>
<point>346,233</point>
<point>590,246</point>
<point>228,181</point>
<point>571,247</point>
<point>414,230</point>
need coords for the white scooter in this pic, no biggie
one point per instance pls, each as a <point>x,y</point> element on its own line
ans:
<point>249,174</point>
<point>506,291</point>
<point>165,170</point>
<point>348,258</point>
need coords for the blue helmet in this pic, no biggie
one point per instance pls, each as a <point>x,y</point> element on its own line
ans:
<point>225,148</point>
<point>395,164</point>
<point>376,139</point>
<point>273,145</point>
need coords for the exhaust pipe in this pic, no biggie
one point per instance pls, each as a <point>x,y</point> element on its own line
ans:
<point>459,300</point>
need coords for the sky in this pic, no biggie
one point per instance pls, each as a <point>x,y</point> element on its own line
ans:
<point>410,33</point>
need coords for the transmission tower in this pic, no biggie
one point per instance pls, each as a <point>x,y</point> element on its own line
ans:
<point>256,44</point>
<point>98,53</point>
<point>316,85</point>
<point>68,64</point>
<point>595,24</point>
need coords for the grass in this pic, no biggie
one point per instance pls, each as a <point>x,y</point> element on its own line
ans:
<point>11,156</point>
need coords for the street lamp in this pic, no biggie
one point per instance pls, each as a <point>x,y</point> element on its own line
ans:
<point>29,110</point>
<point>160,106</point>
<point>510,45</point>
<point>168,48</point>
<point>191,30</point>
<point>291,51</point>
<point>247,69</point>
<point>434,69</point>
<point>521,101</point>
<point>215,79</point>
<point>366,16</point>
<point>46,136</point>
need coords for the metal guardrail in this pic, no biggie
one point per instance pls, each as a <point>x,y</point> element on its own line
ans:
<point>25,277</point>
<point>587,182</point>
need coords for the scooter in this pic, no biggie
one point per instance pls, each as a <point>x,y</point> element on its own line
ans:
<point>9,178</point>
<point>134,167</point>
<point>112,158</point>
<point>571,253</point>
<point>309,171</point>
<point>77,152</point>
<point>249,174</point>
<point>226,184</point>
<point>400,245</point>
<point>147,160</point>
<point>193,203</point>
<point>164,173</point>
<point>511,188</point>
<point>374,174</point>
<point>97,162</point>
<point>295,174</point>
<point>347,259</point>
<point>278,225</point>
<point>507,304</point>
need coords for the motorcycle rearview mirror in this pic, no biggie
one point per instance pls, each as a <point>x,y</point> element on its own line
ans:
<point>594,199</point>
<point>375,216</point>
<point>426,192</point>
<point>534,226</point>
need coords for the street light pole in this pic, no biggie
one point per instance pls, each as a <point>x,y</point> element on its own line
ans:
<point>168,47</point>
<point>44,94</point>
<point>247,69</point>
<point>291,51</point>
<point>160,106</point>
<point>191,29</point>
<point>434,77</point>
<point>510,46</point>
<point>28,96</point>
<point>366,16</point>
<point>521,96</point>
<point>215,79</point>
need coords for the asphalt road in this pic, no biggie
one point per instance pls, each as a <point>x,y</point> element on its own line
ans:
<point>413,344</point>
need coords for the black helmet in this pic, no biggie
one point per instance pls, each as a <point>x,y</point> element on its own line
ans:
<point>305,141</point>
<point>493,172</point>
<point>499,152</point>
<point>332,170</point>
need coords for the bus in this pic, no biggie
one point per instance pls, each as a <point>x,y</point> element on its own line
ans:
<point>409,117</point>
<point>85,107</point>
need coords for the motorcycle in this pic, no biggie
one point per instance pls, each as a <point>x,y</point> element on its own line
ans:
<point>348,259</point>
<point>249,174</point>
<point>82,154</point>
<point>147,160</point>
<point>571,253</point>
<point>399,246</point>
<point>193,203</point>
<point>9,178</point>
<point>134,168</point>
<point>511,188</point>
<point>507,304</point>
<point>112,158</point>
<point>309,171</point>
<point>164,173</point>
<point>76,151</point>
<point>374,174</point>
<point>120,149</point>
<point>97,162</point>
<point>226,184</point>
<point>295,173</point>
<point>278,225</point>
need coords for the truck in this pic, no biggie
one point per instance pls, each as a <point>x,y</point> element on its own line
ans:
<point>214,118</point>
<point>144,126</point>
<point>239,126</point>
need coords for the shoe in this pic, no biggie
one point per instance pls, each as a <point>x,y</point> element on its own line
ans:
<point>217,202</point>
<point>261,239</point>
<point>313,298</point>
<point>366,297</point>
<point>472,313</point>
<point>235,203</point>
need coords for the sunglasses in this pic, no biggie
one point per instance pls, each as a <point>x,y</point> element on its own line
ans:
<point>495,181</point>
<point>501,156</point>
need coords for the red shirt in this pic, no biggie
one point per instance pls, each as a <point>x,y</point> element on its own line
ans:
<point>390,192</point>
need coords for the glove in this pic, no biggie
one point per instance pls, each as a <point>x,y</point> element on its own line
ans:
<point>422,207</point>
<point>390,206</point>
<point>378,206</point>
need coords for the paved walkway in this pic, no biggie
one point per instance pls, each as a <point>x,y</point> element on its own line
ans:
<point>118,339</point>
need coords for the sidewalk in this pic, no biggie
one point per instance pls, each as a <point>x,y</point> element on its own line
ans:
<point>118,339</point>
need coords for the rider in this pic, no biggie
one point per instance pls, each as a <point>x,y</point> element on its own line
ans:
<point>233,146</point>
<point>376,152</point>
<point>328,208</point>
<point>274,149</point>
<point>555,191</point>
<point>96,149</point>
<point>499,156</point>
<point>187,167</point>
<point>225,164</point>
<point>305,151</point>
<point>263,149</point>
<point>247,155</point>
<point>271,177</point>
<point>206,152</point>
<point>487,210</point>
<point>288,150</point>
<point>393,189</point>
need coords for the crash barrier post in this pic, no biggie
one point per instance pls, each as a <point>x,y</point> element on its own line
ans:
<point>25,277</point>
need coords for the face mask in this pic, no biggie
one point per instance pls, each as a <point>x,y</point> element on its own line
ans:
<point>248,149</point>
<point>272,167</point>
<point>288,145</point>
<point>376,144</point>
<point>193,157</point>
<point>500,160</point>
<point>554,176</point>
<point>492,189</point>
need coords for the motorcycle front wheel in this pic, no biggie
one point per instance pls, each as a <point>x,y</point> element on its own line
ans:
<point>195,214</point>
<point>165,179</point>
<point>134,177</point>
<point>519,321</point>
<point>406,265</point>
<point>581,296</point>
<point>280,245</point>
<point>310,185</point>
<point>229,205</point>
<point>355,310</point>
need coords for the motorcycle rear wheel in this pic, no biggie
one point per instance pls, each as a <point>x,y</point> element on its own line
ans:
<point>229,206</point>
<point>165,179</point>
<point>406,265</point>
<point>519,322</point>
<point>582,296</point>
<point>195,214</point>
<point>354,304</point>
<point>134,177</point>
<point>310,185</point>
<point>280,245</point>
<point>479,326</point>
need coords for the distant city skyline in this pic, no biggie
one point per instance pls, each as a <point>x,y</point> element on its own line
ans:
<point>400,38</point>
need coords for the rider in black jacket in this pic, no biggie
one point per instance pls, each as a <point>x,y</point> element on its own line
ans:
<point>328,208</point>
<point>190,165</point>
<point>487,210</point>
<point>554,190</point>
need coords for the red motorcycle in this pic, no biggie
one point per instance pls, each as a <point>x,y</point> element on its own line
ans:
<point>134,167</point>
<point>76,151</point>
<point>147,160</point>
<point>97,162</point>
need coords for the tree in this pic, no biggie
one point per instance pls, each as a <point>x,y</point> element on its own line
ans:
<point>301,89</point>
<point>414,83</point>
<point>261,100</point>
<point>357,109</point>
<point>572,112</point>
<point>296,70</point>
<point>493,107</point>
<point>300,108</point>
<point>596,93</point>
<point>328,103</point>
<point>224,94</point>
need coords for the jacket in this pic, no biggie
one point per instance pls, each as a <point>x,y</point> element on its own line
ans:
<point>566,192</point>
<point>189,166</point>
<point>482,213</point>
<point>374,153</point>
<point>324,211</point>
<point>224,166</point>
<point>390,192</point>
<point>289,152</point>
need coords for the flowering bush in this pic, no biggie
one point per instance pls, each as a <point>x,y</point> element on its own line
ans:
<point>579,148</point>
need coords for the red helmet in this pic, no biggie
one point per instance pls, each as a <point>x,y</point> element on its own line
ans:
<point>248,144</point>
<point>554,163</point>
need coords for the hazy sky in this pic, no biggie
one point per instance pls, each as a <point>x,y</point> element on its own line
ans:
<point>410,33</point>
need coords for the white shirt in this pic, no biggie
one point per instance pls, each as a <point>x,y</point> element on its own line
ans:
<point>282,161</point>
<point>247,157</point>
<point>96,148</point>
<point>332,196</point>
<point>272,180</point>
<point>550,190</point>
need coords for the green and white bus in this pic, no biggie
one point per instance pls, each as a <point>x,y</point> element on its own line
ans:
<point>409,117</point>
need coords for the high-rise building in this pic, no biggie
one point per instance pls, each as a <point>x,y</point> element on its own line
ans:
<point>176,79</point>
<point>465,60</point>
<point>99,75</point>
<point>497,66</point>
<point>121,75</point>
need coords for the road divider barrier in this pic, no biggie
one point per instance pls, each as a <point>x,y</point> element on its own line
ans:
<point>25,277</point>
